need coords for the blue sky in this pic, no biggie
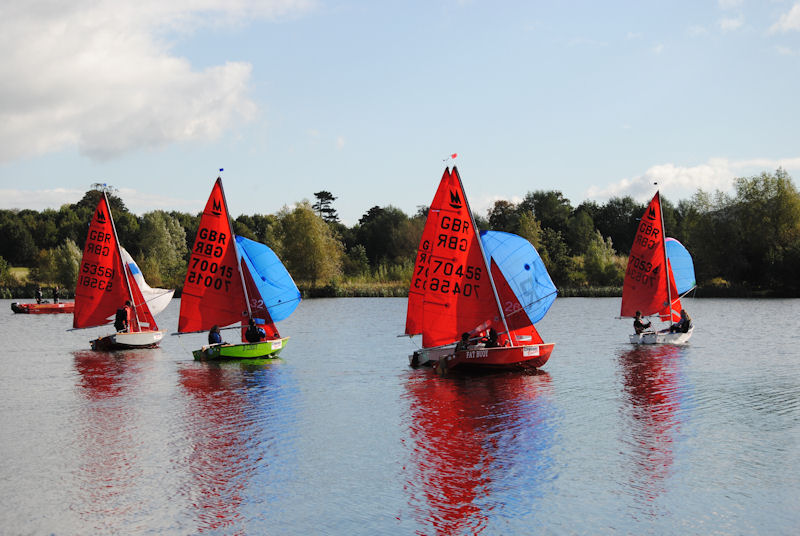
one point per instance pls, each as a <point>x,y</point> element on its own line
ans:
<point>366,99</point>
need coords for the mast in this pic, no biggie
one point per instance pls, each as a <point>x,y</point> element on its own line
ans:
<point>119,254</point>
<point>486,262</point>
<point>667,268</point>
<point>236,249</point>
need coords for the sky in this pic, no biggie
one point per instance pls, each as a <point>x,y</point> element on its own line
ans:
<point>367,99</point>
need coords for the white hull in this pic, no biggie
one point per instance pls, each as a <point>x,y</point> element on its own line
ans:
<point>661,337</point>
<point>124,339</point>
<point>429,356</point>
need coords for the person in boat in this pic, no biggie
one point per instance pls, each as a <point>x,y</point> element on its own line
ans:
<point>123,317</point>
<point>39,296</point>
<point>639,325</point>
<point>683,325</point>
<point>254,333</point>
<point>214,336</point>
<point>463,344</point>
<point>490,341</point>
<point>55,294</point>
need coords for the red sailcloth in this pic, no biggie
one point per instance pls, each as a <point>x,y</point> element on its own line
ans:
<point>101,287</point>
<point>450,292</point>
<point>649,285</point>
<point>212,290</point>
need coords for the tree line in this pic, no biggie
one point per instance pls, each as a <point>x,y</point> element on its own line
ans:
<point>748,239</point>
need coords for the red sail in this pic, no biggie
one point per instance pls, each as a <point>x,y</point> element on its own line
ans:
<point>258,309</point>
<point>458,293</point>
<point>416,292</point>
<point>647,275</point>
<point>212,290</point>
<point>141,317</point>
<point>101,288</point>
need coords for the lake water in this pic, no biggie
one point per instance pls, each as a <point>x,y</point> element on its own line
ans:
<point>342,437</point>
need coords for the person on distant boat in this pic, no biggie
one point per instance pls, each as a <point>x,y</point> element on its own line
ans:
<point>639,325</point>
<point>39,295</point>
<point>463,344</point>
<point>123,317</point>
<point>254,333</point>
<point>683,325</point>
<point>214,336</point>
<point>55,294</point>
<point>490,341</point>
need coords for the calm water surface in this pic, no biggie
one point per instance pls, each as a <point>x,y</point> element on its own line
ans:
<point>341,437</point>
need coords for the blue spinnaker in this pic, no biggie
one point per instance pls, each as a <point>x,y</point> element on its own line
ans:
<point>277,288</point>
<point>524,271</point>
<point>682,265</point>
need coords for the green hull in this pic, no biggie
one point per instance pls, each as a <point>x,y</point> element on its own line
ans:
<point>266,349</point>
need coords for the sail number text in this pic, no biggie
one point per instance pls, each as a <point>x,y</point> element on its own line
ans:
<point>642,271</point>
<point>209,242</point>
<point>648,235</point>
<point>96,276</point>
<point>209,274</point>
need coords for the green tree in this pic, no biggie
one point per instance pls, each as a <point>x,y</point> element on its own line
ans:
<point>163,243</point>
<point>323,206</point>
<point>618,219</point>
<point>67,263</point>
<point>600,262</point>
<point>580,232</point>
<point>530,229</point>
<point>504,216</point>
<point>550,207</point>
<point>313,253</point>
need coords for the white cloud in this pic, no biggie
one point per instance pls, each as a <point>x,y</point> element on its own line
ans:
<point>729,24</point>
<point>100,76</point>
<point>658,49</point>
<point>340,142</point>
<point>679,182</point>
<point>788,21</point>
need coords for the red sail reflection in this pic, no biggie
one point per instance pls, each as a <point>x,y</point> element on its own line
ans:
<point>651,377</point>
<point>109,384</point>
<point>219,426</point>
<point>472,439</point>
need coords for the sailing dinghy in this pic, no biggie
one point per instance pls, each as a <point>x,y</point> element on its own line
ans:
<point>232,279</point>
<point>107,278</point>
<point>660,272</point>
<point>470,282</point>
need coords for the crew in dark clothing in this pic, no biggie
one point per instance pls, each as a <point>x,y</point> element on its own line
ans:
<point>491,340</point>
<point>683,325</point>
<point>639,325</point>
<point>39,296</point>
<point>254,333</point>
<point>122,319</point>
<point>214,336</point>
<point>55,294</point>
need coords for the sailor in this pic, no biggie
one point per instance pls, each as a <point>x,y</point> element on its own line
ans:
<point>254,333</point>
<point>214,336</point>
<point>123,317</point>
<point>38,294</point>
<point>638,325</point>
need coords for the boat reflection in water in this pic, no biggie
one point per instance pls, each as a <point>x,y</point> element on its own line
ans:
<point>109,464</point>
<point>236,418</point>
<point>481,448</point>
<point>652,418</point>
